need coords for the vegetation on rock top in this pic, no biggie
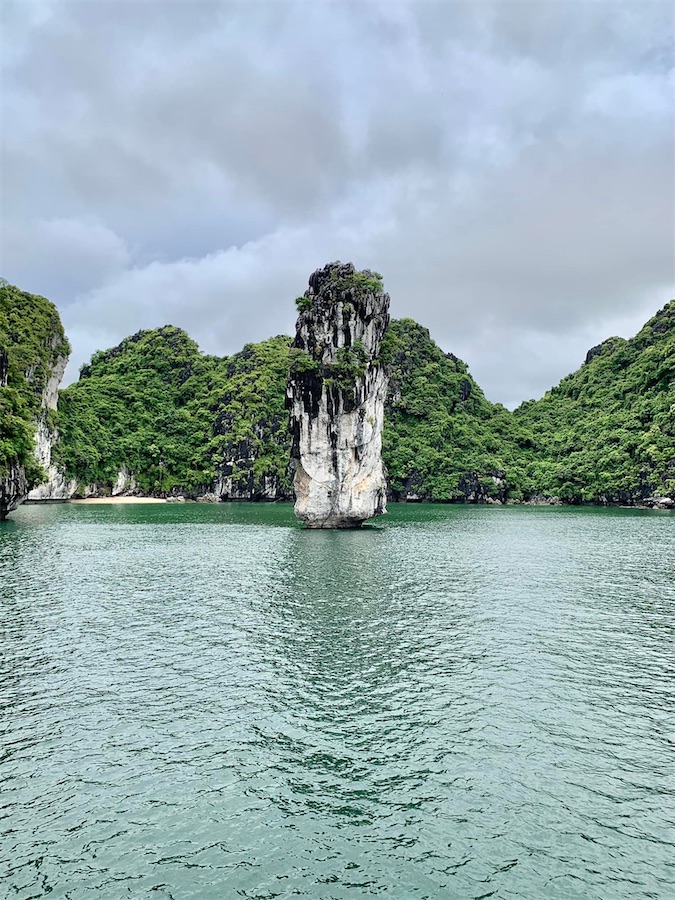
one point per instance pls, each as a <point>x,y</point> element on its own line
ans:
<point>339,282</point>
<point>361,296</point>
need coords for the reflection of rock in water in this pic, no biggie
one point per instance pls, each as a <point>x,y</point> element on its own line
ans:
<point>336,392</point>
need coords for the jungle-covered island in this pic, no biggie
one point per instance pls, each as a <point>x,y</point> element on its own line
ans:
<point>154,416</point>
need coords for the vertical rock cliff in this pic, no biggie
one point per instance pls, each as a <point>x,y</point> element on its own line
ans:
<point>336,393</point>
<point>55,486</point>
<point>33,356</point>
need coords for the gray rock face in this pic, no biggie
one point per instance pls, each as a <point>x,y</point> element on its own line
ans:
<point>125,484</point>
<point>660,502</point>
<point>226,487</point>
<point>59,487</point>
<point>14,488</point>
<point>336,393</point>
<point>236,478</point>
<point>55,486</point>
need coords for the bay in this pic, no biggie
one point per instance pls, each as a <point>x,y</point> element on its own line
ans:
<point>454,702</point>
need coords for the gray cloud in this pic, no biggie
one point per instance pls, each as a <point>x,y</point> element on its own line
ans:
<point>508,167</point>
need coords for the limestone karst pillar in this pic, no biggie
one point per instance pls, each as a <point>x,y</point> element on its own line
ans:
<point>336,391</point>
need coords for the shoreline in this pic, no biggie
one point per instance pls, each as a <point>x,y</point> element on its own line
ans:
<point>124,500</point>
<point>136,500</point>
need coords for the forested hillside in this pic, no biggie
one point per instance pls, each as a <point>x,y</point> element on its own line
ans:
<point>33,353</point>
<point>183,422</point>
<point>179,421</point>
<point>139,406</point>
<point>607,432</point>
<point>249,448</point>
<point>442,439</point>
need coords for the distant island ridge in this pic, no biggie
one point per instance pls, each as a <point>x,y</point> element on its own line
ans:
<point>154,417</point>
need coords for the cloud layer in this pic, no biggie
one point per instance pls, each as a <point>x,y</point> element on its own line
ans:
<point>508,167</point>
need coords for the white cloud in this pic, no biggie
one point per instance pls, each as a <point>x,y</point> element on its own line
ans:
<point>507,167</point>
<point>73,253</point>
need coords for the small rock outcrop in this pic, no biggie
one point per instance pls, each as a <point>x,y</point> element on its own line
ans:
<point>336,393</point>
<point>13,489</point>
<point>660,502</point>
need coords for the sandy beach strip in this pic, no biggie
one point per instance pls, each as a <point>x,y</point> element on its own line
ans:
<point>120,500</point>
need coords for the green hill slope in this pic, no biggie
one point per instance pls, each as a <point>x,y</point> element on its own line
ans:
<point>607,432</point>
<point>134,408</point>
<point>442,439</point>
<point>178,421</point>
<point>249,447</point>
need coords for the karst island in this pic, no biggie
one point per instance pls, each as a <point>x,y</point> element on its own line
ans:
<point>337,386</point>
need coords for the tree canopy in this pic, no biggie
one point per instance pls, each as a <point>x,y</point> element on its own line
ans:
<point>179,420</point>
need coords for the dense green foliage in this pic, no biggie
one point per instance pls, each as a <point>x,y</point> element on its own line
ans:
<point>607,432</point>
<point>442,439</point>
<point>349,365</point>
<point>31,341</point>
<point>367,281</point>
<point>247,404</point>
<point>182,421</point>
<point>139,406</point>
<point>177,419</point>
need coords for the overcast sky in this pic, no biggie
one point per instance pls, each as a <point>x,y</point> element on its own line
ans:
<point>507,167</point>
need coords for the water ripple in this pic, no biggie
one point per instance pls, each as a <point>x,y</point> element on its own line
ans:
<point>208,701</point>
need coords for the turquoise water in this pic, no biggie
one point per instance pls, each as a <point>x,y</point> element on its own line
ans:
<point>457,702</point>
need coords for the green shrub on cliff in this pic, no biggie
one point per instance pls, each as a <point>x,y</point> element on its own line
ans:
<point>300,361</point>
<point>349,365</point>
<point>345,278</point>
<point>31,342</point>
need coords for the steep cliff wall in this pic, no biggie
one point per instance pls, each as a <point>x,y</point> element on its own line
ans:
<point>55,485</point>
<point>33,356</point>
<point>336,392</point>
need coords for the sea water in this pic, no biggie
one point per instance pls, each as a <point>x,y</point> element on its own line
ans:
<point>208,701</point>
